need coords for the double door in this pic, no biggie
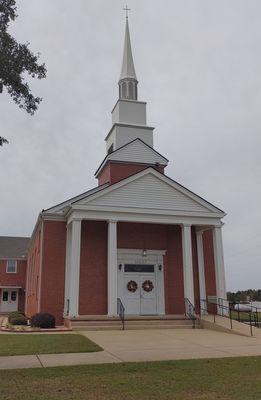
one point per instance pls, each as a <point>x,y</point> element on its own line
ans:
<point>140,293</point>
<point>9,300</point>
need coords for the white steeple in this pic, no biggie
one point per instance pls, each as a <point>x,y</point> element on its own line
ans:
<point>128,80</point>
<point>127,69</point>
<point>129,120</point>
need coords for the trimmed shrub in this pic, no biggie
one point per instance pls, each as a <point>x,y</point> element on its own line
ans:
<point>18,320</point>
<point>43,320</point>
<point>14,314</point>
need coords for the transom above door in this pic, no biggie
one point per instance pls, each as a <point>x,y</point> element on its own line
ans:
<point>141,282</point>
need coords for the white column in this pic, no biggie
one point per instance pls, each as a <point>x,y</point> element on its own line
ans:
<point>187,263</point>
<point>219,263</point>
<point>67,268</point>
<point>112,267</point>
<point>201,266</point>
<point>74,273</point>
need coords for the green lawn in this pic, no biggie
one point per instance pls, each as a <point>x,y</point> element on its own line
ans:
<point>244,316</point>
<point>27,343</point>
<point>223,379</point>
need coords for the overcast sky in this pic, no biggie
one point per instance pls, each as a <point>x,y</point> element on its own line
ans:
<point>198,65</point>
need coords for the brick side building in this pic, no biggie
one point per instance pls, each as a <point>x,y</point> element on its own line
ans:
<point>13,265</point>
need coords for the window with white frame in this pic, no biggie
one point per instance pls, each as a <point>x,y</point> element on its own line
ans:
<point>11,266</point>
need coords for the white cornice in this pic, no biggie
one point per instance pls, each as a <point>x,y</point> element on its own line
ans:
<point>145,127</point>
<point>96,215</point>
<point>147,211</point>
<point>128,101</point>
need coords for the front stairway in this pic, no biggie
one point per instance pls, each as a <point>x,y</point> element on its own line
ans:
<point>96,323</point>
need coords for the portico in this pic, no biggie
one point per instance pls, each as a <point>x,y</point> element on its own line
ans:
<point>116,285</point>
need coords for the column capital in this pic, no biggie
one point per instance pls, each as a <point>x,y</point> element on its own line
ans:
<point>69,222</point>
<point>112,221</point>
<point>186,225</point>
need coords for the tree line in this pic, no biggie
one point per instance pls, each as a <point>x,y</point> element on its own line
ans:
<point>244,295</point>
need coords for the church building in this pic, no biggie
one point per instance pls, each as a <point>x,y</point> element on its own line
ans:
<point>138,237</point>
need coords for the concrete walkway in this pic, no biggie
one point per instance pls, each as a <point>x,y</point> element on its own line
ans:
<point>146,345</point>
<point>171,344</point>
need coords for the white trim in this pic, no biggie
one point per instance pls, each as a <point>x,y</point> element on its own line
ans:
<point>145,127</point>
<point>11,272</point>
<point>138,252</point>
<point>128,101</point>
<point>10,287</point>
<point>142,210</point>
<point>135,216</point>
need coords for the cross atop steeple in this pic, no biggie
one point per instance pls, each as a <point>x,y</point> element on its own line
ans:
<point>126,9</point>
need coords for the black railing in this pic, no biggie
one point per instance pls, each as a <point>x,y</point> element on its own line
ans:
<point>121,312</point>
<point>190,312</point>
<point>223,308</point>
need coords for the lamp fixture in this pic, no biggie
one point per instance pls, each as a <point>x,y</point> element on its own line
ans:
<point>120,267</point>
<point>144,253</point>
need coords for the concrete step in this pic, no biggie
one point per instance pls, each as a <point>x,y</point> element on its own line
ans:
<point>131,324</point>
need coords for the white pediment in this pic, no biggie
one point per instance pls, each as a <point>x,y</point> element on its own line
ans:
<point>138,151</point>
<point>150,190</point>
<point>135,152</point>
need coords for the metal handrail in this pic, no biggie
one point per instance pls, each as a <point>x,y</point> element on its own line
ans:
<point>121,312</point>
<point>190,311</point>
<point>218,308</point>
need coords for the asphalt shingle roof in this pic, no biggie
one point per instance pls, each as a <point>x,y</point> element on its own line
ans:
<point>13,247</point>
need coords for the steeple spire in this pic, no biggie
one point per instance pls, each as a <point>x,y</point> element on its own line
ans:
<point>128,80</point>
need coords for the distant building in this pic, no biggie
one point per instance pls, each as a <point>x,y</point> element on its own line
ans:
<point>138,236</point>
<point>13,264</point>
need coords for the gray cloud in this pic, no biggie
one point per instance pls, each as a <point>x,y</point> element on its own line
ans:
<point>199,66</point>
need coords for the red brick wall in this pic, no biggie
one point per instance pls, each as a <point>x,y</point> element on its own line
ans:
<point>53,269</point>
<point>209,262</point>
<point>33,273</point>
<point>173,275</point>
<point>105,175</point>
<point>114,172</point>
<point>18,279</point>
<point>93,272</point>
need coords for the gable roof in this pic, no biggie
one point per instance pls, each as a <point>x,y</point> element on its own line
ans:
<point>13,247</point>
<point>61,207</point>
<point>135,151</point>
<point>150,189</point>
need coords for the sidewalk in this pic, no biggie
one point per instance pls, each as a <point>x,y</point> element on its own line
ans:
<point>55,360</point>
<point>146,345</point>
